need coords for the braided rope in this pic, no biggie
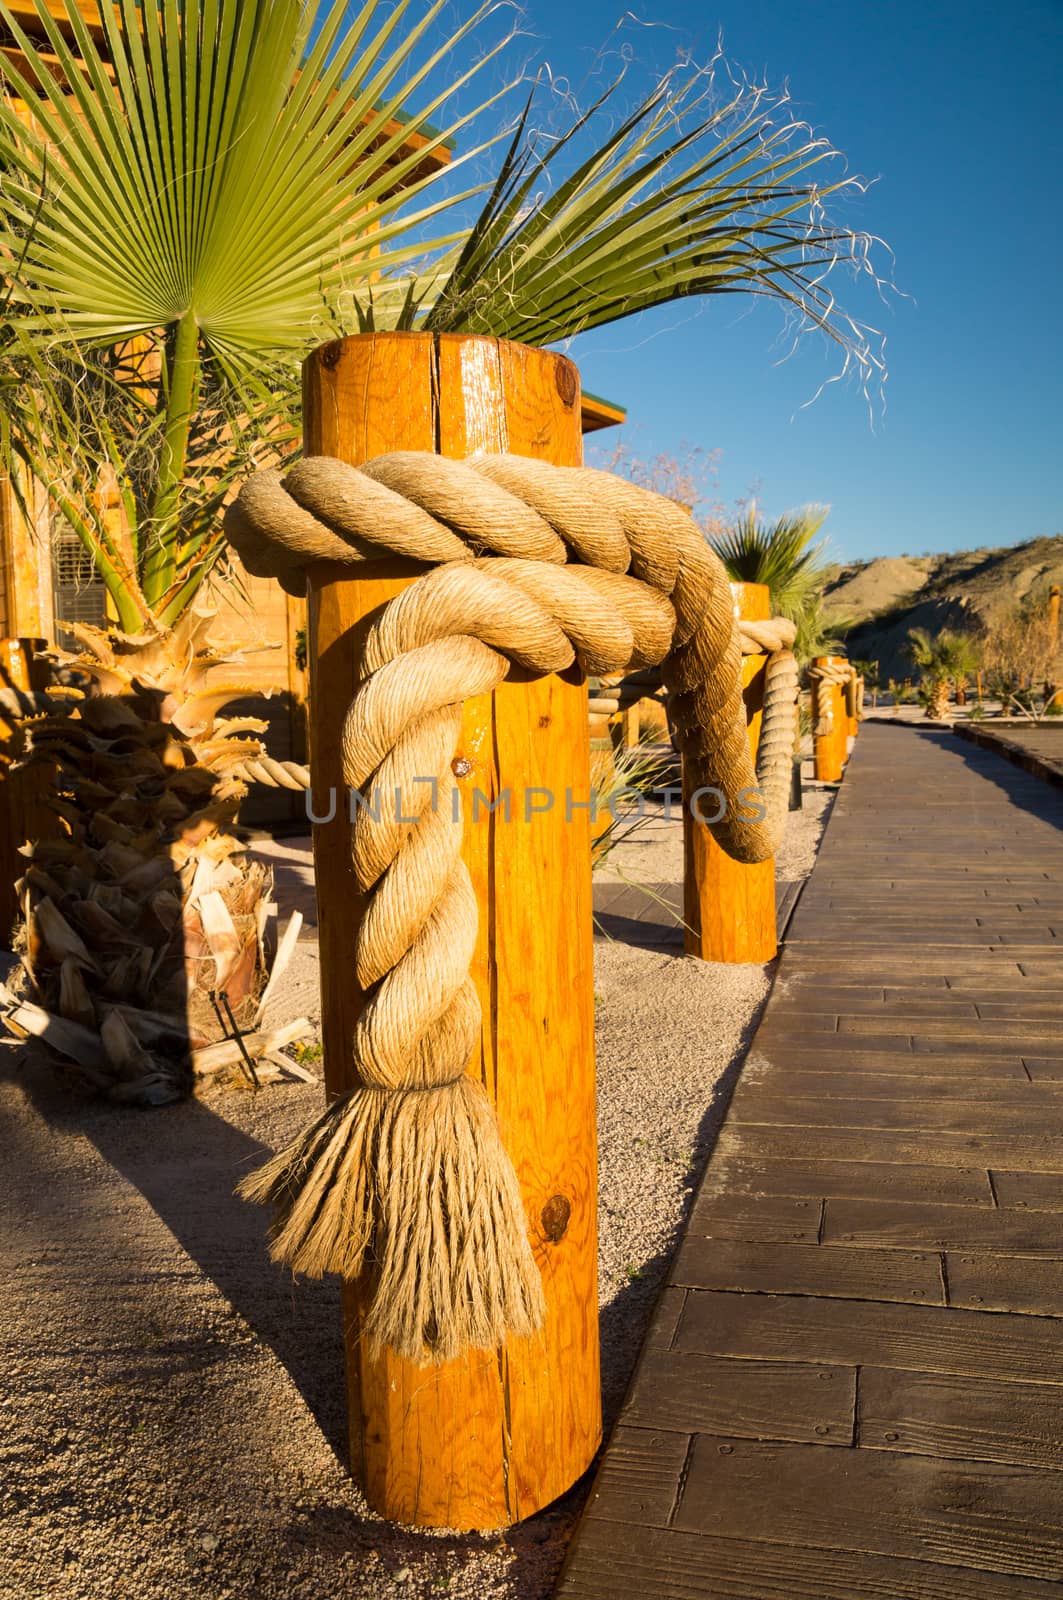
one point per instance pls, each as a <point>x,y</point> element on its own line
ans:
<point>273,774</point>
<point>765,638</point>
<point>854,695</point>
<point>825,676</point>
<point>535,566</point>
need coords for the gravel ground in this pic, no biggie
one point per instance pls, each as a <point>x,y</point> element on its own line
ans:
<point>173,1417</point>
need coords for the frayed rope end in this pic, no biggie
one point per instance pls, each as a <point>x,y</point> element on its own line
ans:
<point>414,1184</point>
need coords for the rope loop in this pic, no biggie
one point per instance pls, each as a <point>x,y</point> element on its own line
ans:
<point>532,567</point>
<point>824,676</point>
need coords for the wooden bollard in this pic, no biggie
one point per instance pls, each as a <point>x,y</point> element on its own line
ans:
<point>494,1436</point>
<point>728,907</point>
<point>829,748</point>
<point>842,727</point>
<point>852,723</point>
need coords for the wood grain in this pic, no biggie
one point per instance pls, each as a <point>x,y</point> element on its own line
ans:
<point>829,750</point>
<point>761,1268</point>
<point>1022,1282</point>
<point>1001,1089</point>
<point>1035,1151</point>
<point>803,1056</point>
<point>850,1332</point>
<point>972,1514</point>
<point>641,1476</point>
<point>750,1399</point>
<point>937,1415</point>
<point>873,1180</point>
<point>900,1224</point>
<point>1033,1191</point>
<point>711,1564</point>
<point>491,1438</point>
<point>727,1216</point>
<point>908,1114</point>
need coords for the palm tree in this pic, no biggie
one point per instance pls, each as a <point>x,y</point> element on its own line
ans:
<point>942,659</point>
<point>819,634</point>
<point>868,670</point>
<point>783,556</point>
<point>780,554</point>
<point>150,359</point>
<point>211,190</point>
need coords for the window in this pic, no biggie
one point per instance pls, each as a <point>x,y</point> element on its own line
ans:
<point>78,591</point>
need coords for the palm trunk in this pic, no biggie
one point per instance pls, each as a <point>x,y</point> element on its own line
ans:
<point>144,924</point>
<point>938,709</point>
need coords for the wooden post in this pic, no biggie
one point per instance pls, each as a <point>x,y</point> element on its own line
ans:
<point>728,907</point>
<point>852,722</point>
<point>841,724</point>
<point>829,749</point>
<point>1053,609</point>
<point>491,1438</point>
<point>25,812</point>
<point>25,553</point>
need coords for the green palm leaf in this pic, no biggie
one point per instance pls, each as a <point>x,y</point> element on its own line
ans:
<point>781,555</point>
<point>684,196</point>
<point>234,171</point>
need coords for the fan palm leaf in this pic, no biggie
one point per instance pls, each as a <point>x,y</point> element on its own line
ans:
<point>943,655</point>
<point>218,180</point>
<point>683,196</point>
<point>217,165</point>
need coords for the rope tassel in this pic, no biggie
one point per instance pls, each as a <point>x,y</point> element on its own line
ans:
<point>417,1183</point>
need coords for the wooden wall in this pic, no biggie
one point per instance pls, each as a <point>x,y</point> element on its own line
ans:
<point>255,614</point>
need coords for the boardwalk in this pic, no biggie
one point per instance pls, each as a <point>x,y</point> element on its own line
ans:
<point>853,1385</point>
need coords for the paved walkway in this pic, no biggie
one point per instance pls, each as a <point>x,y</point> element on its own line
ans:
<point>853,1386</point>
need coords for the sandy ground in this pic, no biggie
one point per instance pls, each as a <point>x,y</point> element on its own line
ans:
<point>172,1404</point>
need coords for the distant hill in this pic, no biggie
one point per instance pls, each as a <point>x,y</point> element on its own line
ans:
<point>882,599</point>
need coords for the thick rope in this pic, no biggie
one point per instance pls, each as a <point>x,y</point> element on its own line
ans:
<point>272,773</point>
<point>824,677</point>
<point>854,695</point>
<point>538,567</point>
<point>765,638</point>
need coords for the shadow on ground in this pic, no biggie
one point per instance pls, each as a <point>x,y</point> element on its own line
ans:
<point>1025,791</point>
<point>186,1161</point>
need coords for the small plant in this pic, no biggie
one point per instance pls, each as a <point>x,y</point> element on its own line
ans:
<point>942,659</point>
<point>1021,648</point>
<point>617,781</point>
<point>817,633</point>
<point>868,670</point>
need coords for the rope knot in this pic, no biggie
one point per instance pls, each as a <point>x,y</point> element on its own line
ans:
<point>532,567</point>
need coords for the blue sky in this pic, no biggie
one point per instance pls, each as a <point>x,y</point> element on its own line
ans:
<point>955,110</point>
